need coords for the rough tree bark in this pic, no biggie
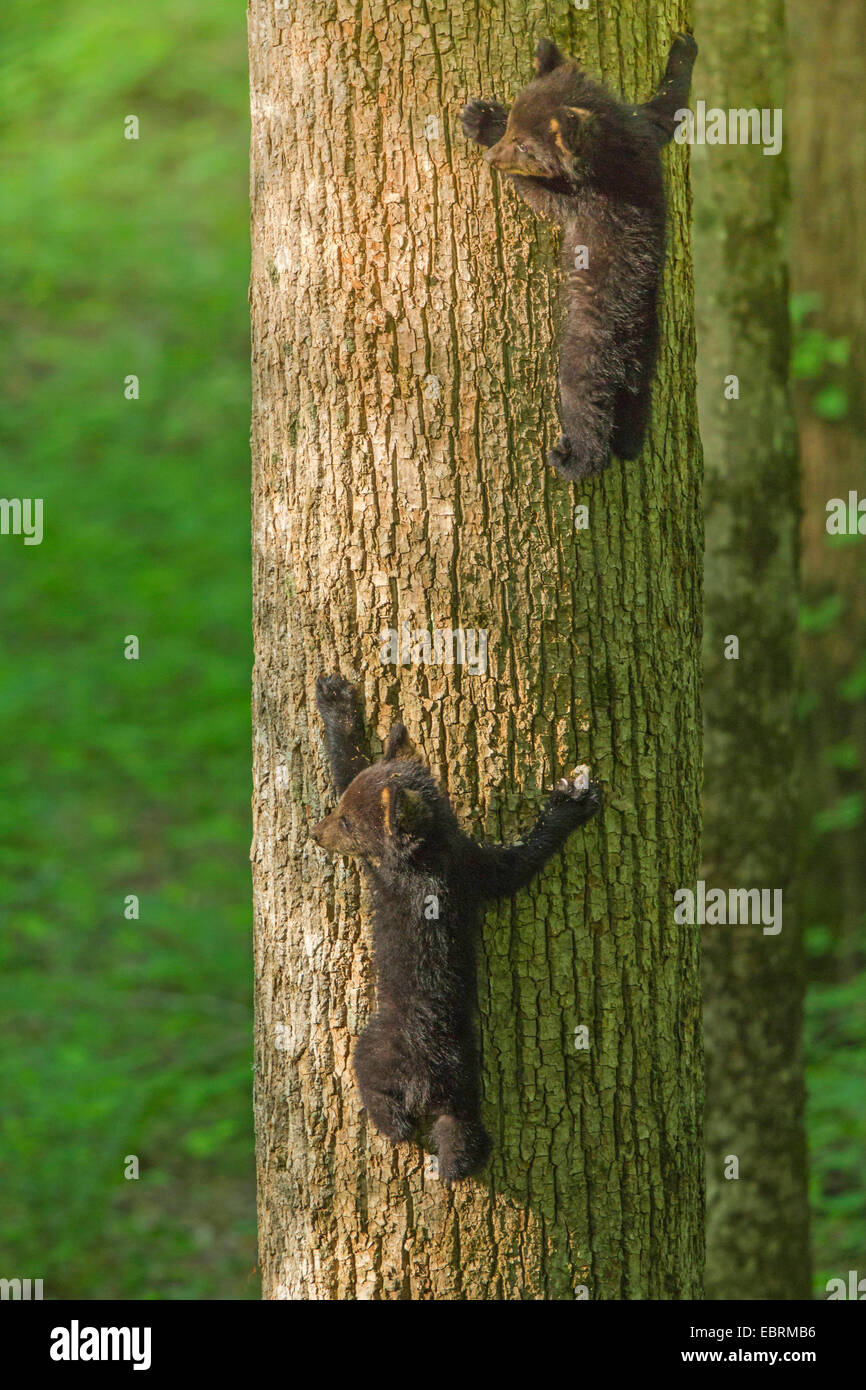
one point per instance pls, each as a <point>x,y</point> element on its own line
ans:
<point>404,368</point>
<point>757,1225</point>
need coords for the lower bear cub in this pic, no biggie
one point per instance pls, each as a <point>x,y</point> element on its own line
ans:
<point>418,1058</point>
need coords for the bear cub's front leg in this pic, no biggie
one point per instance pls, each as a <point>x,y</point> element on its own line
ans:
<point>337,703</point>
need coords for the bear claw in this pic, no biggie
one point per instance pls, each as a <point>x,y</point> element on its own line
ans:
<point>576,783</point>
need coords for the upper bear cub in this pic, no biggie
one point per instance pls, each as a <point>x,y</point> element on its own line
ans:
<point>418,1059</point>
<point>591,163</point>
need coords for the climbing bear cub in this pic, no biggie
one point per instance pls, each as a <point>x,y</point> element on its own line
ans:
<point>591,163</point>
<point>418,1059</point>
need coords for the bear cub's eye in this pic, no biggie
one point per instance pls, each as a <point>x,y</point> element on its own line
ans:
<point>345,823</point>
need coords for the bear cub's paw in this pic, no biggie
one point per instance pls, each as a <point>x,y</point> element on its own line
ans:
<point>560,457</point>
<point>483,121</point>
<point>580,789</point>
<point>472,118</point>
<point>462,1148</point>
<point>563,459</point>
<point>336,699</point>
<point>576,783</point>
<point>684,49</point>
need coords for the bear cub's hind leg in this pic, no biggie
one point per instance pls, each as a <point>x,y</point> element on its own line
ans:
<point>377,1072</point>
<point>388,1113</point>
<point>463,1147</point>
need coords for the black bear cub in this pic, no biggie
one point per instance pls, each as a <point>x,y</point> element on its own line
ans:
<point>591,163</point>
<point>418,1060</point>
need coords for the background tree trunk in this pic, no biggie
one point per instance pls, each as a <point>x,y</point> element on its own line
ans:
<point>828,152</point>
<point>827,39</point>
<point>829,233</point>
<point>757,1226</point>
<point>404,393</point>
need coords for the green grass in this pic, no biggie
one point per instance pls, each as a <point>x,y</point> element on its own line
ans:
<point>126,1037</point>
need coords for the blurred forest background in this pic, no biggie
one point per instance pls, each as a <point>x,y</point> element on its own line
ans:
<point>134,1037</point>
<point>126,1037</point>
<point>826,149</point>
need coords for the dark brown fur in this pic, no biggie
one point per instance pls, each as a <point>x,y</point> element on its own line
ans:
<point>418,1058</point>
<point>591,163</point>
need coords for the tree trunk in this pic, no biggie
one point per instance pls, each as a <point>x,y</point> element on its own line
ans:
<point>404,369</point>
<point>757,1224</point>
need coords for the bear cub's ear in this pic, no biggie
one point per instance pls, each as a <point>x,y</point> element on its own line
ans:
<point>398,744</point>
<point>405,812</point>
<point>547,57</point>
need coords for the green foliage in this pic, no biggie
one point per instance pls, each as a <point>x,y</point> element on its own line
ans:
<point>831,875</point>
<point>814,355</point>
<point>853,687</point>
<point>831,402</point>
<point>819,941</point>
<point>835,1041</point>
<point>820,617</point>
<point>844,814</point>
<point>844,755</point>
<point>126,1037</point>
